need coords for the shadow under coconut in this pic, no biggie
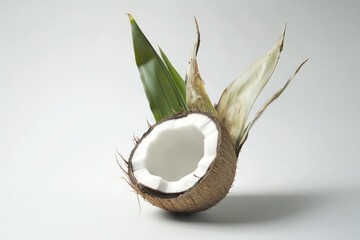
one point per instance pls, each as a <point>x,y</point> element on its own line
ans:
<point>255,208</point>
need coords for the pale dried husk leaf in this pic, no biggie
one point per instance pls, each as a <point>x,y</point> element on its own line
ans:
<point>238,98</point>
<point>196,95</point>
<point>267,103</point>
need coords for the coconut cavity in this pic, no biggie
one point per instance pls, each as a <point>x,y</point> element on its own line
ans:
<point>184,163</point>
<point>175,152</point>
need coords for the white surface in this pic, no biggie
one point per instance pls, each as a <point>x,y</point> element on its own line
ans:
<point>70,93</point>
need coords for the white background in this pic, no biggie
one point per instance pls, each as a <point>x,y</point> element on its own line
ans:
<point>70,94</point>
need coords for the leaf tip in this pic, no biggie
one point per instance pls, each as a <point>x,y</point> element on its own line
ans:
<point>302,64</point>
<point>282,38</point>
<point>130,17</point>
<point>196,22</point>
<point>197,39</point>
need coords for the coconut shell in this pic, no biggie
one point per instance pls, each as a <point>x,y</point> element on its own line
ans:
<point>209,190</point>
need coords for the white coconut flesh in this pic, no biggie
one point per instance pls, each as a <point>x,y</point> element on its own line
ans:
<point>176,153</point>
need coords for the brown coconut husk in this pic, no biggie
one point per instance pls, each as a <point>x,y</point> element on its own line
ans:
<point>208,191</point>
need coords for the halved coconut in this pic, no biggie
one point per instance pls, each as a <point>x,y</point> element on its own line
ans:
<point>184,163</point>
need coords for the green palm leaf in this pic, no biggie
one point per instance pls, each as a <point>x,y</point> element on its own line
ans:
<point>165,93</point>
<point>179,82</point>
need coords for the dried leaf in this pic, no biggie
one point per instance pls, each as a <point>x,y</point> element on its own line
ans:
<point>238,98</point>
<point>196,96</point>
<point>267,103</point>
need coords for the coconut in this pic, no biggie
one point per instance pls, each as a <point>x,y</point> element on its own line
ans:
<point>184,163</point>
<point>187,162</point>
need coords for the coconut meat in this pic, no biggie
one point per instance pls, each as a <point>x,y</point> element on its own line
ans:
<point>176,153</point>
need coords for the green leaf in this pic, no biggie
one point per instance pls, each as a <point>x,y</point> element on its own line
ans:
<point>162,91</point>
<point>180,84</point>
